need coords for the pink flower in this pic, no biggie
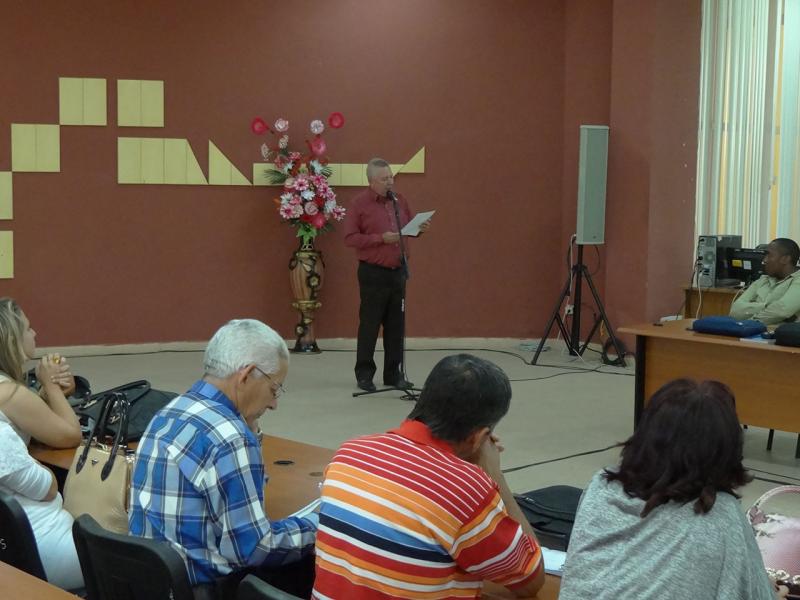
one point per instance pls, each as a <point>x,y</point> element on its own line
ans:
<point>318,181</point>
<point>336,120</point>
<point>281,125</point>
<point>294,155</point>
<point>301,183</point>
<point>296,200</point>
<point>297,211</point>
<point>258,126</point>
<point>318,221</point>
<point>283,142</point>
<point>338,212</point>
<point>318,146</point>
<point>286,211</point>
<point>311,208</point>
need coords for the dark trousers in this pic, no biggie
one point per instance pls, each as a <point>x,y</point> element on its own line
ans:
<point>296,578</point>
<point>381,291</point>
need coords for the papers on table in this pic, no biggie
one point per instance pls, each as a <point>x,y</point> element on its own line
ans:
<point>412,227</point>
<point>553,561</point>
<point>307,509</point>
<point>757,339</point>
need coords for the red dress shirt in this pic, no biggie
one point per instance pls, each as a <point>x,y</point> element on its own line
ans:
<point>368,218</point>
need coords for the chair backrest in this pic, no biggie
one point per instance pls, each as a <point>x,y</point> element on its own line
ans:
<point>17,544</point>
<point>253,588</point>
<point>122,567</point>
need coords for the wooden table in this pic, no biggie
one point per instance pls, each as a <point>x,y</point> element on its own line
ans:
<point>762,376</point>
<point>16,584</point>
<point>716,301</point>
<point>290,487</point>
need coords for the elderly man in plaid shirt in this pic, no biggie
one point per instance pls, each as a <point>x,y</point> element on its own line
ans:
<point>198,481</point>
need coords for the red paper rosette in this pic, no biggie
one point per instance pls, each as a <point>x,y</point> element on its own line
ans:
<point>318,146</point>
<point>258,126</point>
<point>336,120</point>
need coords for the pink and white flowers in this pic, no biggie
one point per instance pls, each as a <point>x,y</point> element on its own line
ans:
<point>307,201</point>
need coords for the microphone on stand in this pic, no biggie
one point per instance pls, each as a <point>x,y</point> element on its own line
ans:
<point>403,259</point>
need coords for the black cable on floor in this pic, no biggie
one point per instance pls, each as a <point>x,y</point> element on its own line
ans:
<point>595,370</point>
<point>552,460</point>
<point>771,473</point>
<point>773,481</point>
<point>575,370</point>
<point>133,353</point>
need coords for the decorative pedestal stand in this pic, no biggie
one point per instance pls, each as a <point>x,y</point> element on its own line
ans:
<point>306,270</point>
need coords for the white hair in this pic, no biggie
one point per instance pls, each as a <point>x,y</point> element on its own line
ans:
<point>243,342</point>
<point>373,165</point>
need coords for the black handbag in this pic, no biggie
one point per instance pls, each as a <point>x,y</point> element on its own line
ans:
<point>551,513</point>
<point>788,334</point>
<point>82,388</point>
<point>142,400</point>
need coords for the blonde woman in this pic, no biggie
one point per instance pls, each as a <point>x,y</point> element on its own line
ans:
<point>47,417</point>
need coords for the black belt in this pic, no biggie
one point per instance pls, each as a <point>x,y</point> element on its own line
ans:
<point>373,266</point>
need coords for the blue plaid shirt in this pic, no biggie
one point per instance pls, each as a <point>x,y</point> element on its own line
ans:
<point>198,482</point>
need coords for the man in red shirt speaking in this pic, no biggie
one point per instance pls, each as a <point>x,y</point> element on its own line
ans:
<point>371,228</point>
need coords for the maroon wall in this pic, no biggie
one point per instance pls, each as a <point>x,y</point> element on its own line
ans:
<point>587,84</point>
<point>493,89</point>
<point>655,73</point>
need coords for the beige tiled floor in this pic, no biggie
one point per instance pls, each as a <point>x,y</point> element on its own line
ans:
<point>551,416</point>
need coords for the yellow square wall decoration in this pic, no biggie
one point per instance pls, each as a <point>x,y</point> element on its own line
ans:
<point>48,149</point>
<point>129,103</point>
<point>140,103</point>
<point>23,147</point>
<point>6,254</point>
<point>94,102</point>
<point>70,101</point>
<point>6,196</point>
<point>152,104</point>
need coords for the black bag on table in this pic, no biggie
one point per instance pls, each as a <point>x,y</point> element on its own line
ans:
<point>788,334</point>
<point>551,513</point>
<point>82,388</point>
<point>143,402</point>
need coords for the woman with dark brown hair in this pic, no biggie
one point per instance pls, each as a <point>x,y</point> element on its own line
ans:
<point>667,523</point>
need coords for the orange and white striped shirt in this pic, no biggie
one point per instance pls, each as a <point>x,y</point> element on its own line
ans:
<point>403,517</point>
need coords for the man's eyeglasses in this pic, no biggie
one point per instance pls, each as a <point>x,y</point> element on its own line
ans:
<point>277,389</point>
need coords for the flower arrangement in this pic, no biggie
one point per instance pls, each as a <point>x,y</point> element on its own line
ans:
<point>307,202</point>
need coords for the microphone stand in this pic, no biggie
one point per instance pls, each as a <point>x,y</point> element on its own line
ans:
<point>405,274</point>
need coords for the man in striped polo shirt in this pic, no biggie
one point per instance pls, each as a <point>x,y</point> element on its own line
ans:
<point>424,511</point>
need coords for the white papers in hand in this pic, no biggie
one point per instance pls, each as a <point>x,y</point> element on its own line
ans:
<point>307,509</point>
<point>412,227</point>
<point>553,561</point>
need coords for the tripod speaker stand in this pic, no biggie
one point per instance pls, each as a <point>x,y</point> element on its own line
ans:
<point>577,274</point>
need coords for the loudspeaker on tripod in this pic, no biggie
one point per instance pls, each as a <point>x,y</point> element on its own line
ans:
<point>592,173</point>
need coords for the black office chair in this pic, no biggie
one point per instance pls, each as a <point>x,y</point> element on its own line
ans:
<point>17,544</point>
<point>119,566</point>
<point>253,588</point>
